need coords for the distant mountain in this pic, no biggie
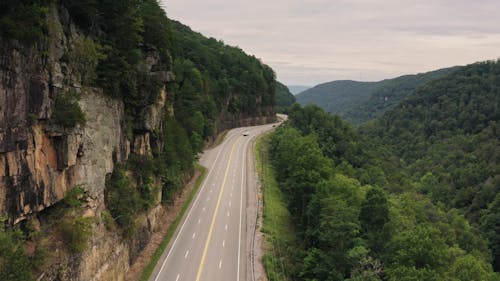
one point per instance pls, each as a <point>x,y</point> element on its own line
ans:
<point>295,89</point>
<point>415,192</point>
<point>338,97</point>
<point>283,97</point>
<point>359,102</point>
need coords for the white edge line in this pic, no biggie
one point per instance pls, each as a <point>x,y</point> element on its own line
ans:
<point>191,209</point>
<point>243,177</point>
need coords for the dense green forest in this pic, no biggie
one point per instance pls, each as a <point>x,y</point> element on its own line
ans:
<point>283,97</point>
<point>447,137</point>
<point>410,196</point>
<point>217,80</point>
<point>358,102</point>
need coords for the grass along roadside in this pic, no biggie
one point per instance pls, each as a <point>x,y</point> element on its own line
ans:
<point>280,239</point>
<point>146,273</point>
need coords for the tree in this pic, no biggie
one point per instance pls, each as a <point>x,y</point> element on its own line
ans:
<point>338,232</point>
<point>490,224</point>
<point>157,30</point>
<point>85,13</point>
<point>317,266</point>
<point>421,250</point>
<point>30,15</point>
<point>302,167</point>
<point>84,58</point>
<point>471,268</point>
<point>14,263</point>
<point>373,217</point>
<point>67,111</point>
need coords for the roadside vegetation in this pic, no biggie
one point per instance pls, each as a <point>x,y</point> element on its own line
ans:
<point>277,225</point>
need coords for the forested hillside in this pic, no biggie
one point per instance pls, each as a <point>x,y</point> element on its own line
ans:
<point>448,138</point>
<point>338,97</point>
<point>283,97</point>
<point>390,93</point>
<point>358,102</point>
<point>218,81</point>
<point>411,196</point>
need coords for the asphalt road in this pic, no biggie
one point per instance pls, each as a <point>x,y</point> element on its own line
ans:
<point>211,242</point>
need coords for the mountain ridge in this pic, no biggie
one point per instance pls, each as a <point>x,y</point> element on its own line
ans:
<point>412,195</point>
<point>359,101</point>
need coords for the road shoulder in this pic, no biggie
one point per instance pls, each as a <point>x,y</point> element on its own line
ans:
<point>255,269</point>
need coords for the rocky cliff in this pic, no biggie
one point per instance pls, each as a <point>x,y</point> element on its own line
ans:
<point>42,161</point>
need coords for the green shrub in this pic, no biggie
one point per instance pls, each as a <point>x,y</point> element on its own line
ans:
<point>143,166</point>
<point>109,222</point>
<point>123,200</point>
<point>84,58</point>
<point>83,13</point>
<point>73,197</point>
<point>67,111</point>
<point>76,233</point>
<point>14,263</point>
<point>75,230</point>
<point>157,30</point>
<point>148,195</point>
<point>42,255</point>
<point>171,182</point>
<point>145,169</point>
<point>23,20</point>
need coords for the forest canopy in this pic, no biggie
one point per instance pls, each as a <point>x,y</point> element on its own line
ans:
<point>410,196</point>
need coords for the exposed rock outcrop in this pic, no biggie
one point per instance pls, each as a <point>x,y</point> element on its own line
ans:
<point>228,121</point>
<point>40,161</point>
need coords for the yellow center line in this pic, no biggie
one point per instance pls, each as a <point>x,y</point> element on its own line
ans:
<point>214,217</point>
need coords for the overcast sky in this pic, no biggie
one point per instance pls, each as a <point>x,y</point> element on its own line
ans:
<point>312,41</point>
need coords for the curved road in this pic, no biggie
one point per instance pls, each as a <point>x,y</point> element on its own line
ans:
<point>211,243</point>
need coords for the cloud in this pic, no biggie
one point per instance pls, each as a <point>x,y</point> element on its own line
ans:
<point>312,41</point>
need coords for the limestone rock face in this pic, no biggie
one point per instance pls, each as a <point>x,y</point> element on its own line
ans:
<point>106,259</point>
<point>154,113</point>
<point>40,161</point>
<point>24,98</point>
<point>101,144</point>
<point>229,121</point>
